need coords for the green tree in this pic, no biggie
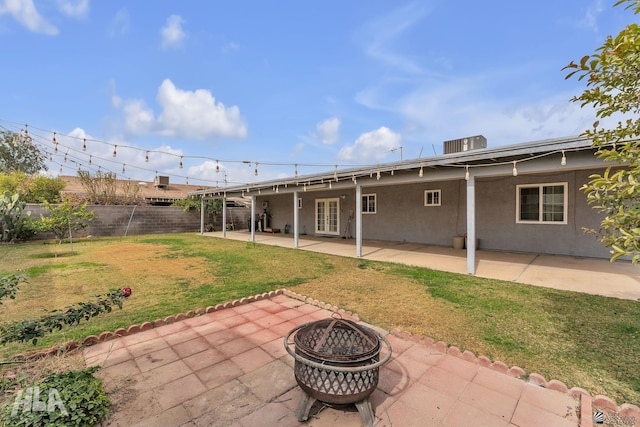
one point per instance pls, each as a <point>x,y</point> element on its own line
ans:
<point>64,218</point>
<point>212,207</point>
<point>18,153</point>
<point>34,188</point>
<point>612,77</point>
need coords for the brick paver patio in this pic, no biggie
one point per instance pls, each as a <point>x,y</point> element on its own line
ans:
<point>230,368</point>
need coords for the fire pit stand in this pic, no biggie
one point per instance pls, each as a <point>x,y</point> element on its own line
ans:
<point>337,362</point>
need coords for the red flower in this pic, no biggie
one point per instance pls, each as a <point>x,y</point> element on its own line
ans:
<point>126,292</point>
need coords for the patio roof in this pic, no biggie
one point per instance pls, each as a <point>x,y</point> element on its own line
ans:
<point>398,171</point>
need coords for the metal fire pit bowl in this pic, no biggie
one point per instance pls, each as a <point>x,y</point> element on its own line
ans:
<point>337,362</point>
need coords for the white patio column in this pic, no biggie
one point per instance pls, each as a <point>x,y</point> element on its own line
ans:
<point>471,225</point>
<point>358,220</point>
<point>253,218</point>
<point>202,215</point>
<point>296,227</point>
<point>224,215</point>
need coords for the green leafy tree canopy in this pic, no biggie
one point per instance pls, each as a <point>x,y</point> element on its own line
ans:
<point>18,153</point>
<point>612,77</point>
<point>64,218</point>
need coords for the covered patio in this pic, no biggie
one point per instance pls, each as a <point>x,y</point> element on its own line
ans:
<point>579,274</point>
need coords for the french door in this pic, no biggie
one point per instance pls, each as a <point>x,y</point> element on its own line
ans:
<point>328,216</point>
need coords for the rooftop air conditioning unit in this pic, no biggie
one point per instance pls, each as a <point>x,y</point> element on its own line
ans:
<point>161,181</point>
<point>465,144</point>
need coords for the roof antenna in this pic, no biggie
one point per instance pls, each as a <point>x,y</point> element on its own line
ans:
<point>421,148</point>
<point>434,150</point>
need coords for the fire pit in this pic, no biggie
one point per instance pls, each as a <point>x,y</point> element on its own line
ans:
<point>336,362</point>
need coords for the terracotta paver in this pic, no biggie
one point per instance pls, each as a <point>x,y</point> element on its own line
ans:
<point>230,368</point>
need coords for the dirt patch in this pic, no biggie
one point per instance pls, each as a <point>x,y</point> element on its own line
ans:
<point>144,260</point>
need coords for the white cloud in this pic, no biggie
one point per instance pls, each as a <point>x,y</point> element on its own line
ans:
<point>371,146</point>
<point>172,33</point>
<point>590,18</point>
<point>120,23</point>
<point>24,11</point>
<point>380,35</point>
<point>74,9</point>
<point>328,130</point>
<point>231,46</point>
<point>185,114</point>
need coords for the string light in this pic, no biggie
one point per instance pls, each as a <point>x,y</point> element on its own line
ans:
<point>515,170</point>
<point>146,157</point>
<point>90,157</point>
<point>114,150</point>
<point>295,171</point>
<point>255,172</point>
<point>217,166</point>
<point>123,168</point>
<point>180,162</point>
<point>84,144</point>
<point>421,173</point>
<point>466,173</point>
<point>563,162</point>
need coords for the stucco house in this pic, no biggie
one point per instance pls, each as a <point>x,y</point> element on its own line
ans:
<point>517,198</point>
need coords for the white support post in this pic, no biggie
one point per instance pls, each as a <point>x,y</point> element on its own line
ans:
<point>358,220</point>
<point>296,227</point>
<point>202,215</point>
<point>224,215</point>
<point>471,225</point>
<point>253,218</point>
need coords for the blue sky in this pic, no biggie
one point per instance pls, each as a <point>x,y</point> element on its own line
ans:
<point>280,83</point>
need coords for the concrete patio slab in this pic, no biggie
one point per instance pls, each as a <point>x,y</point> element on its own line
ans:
<point>619,279</point>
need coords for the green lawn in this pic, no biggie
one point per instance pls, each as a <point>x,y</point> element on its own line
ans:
<point>583,340</point>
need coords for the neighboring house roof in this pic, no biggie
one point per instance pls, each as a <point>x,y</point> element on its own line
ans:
<point>147,190</point>
<point>472,159</point>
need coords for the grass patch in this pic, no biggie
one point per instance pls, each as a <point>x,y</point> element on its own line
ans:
<point>583,340</point>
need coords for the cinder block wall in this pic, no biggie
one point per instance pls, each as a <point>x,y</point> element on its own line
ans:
<point>114,220</point>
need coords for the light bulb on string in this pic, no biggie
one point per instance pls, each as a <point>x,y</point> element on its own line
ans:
<point>255,172</point>
<point>217,165</point>
<point>187,180</point>
<point>515,170</point>
<point>65,156</point>
<point>60,169</point>
<point>180,162</point>
<point>466,173</point>
<point>84,144</point>
<point>421,173</point>
<point>295,170</point>
<point>378,175</point>
<point>146,157</point>
<point>90,157</point>
<point>114,150</point>
<point>563,161</point>
<point>123,168</point>
<point>50,157</point>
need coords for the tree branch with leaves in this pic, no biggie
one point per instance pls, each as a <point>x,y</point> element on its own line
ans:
<point>612,76</point>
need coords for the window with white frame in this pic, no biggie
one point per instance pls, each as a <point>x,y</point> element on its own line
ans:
<point>369,203</point>
<point>541,203</point>
<point>432,197</point>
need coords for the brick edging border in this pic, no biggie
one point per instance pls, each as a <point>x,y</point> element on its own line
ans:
<point>587,402</point>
